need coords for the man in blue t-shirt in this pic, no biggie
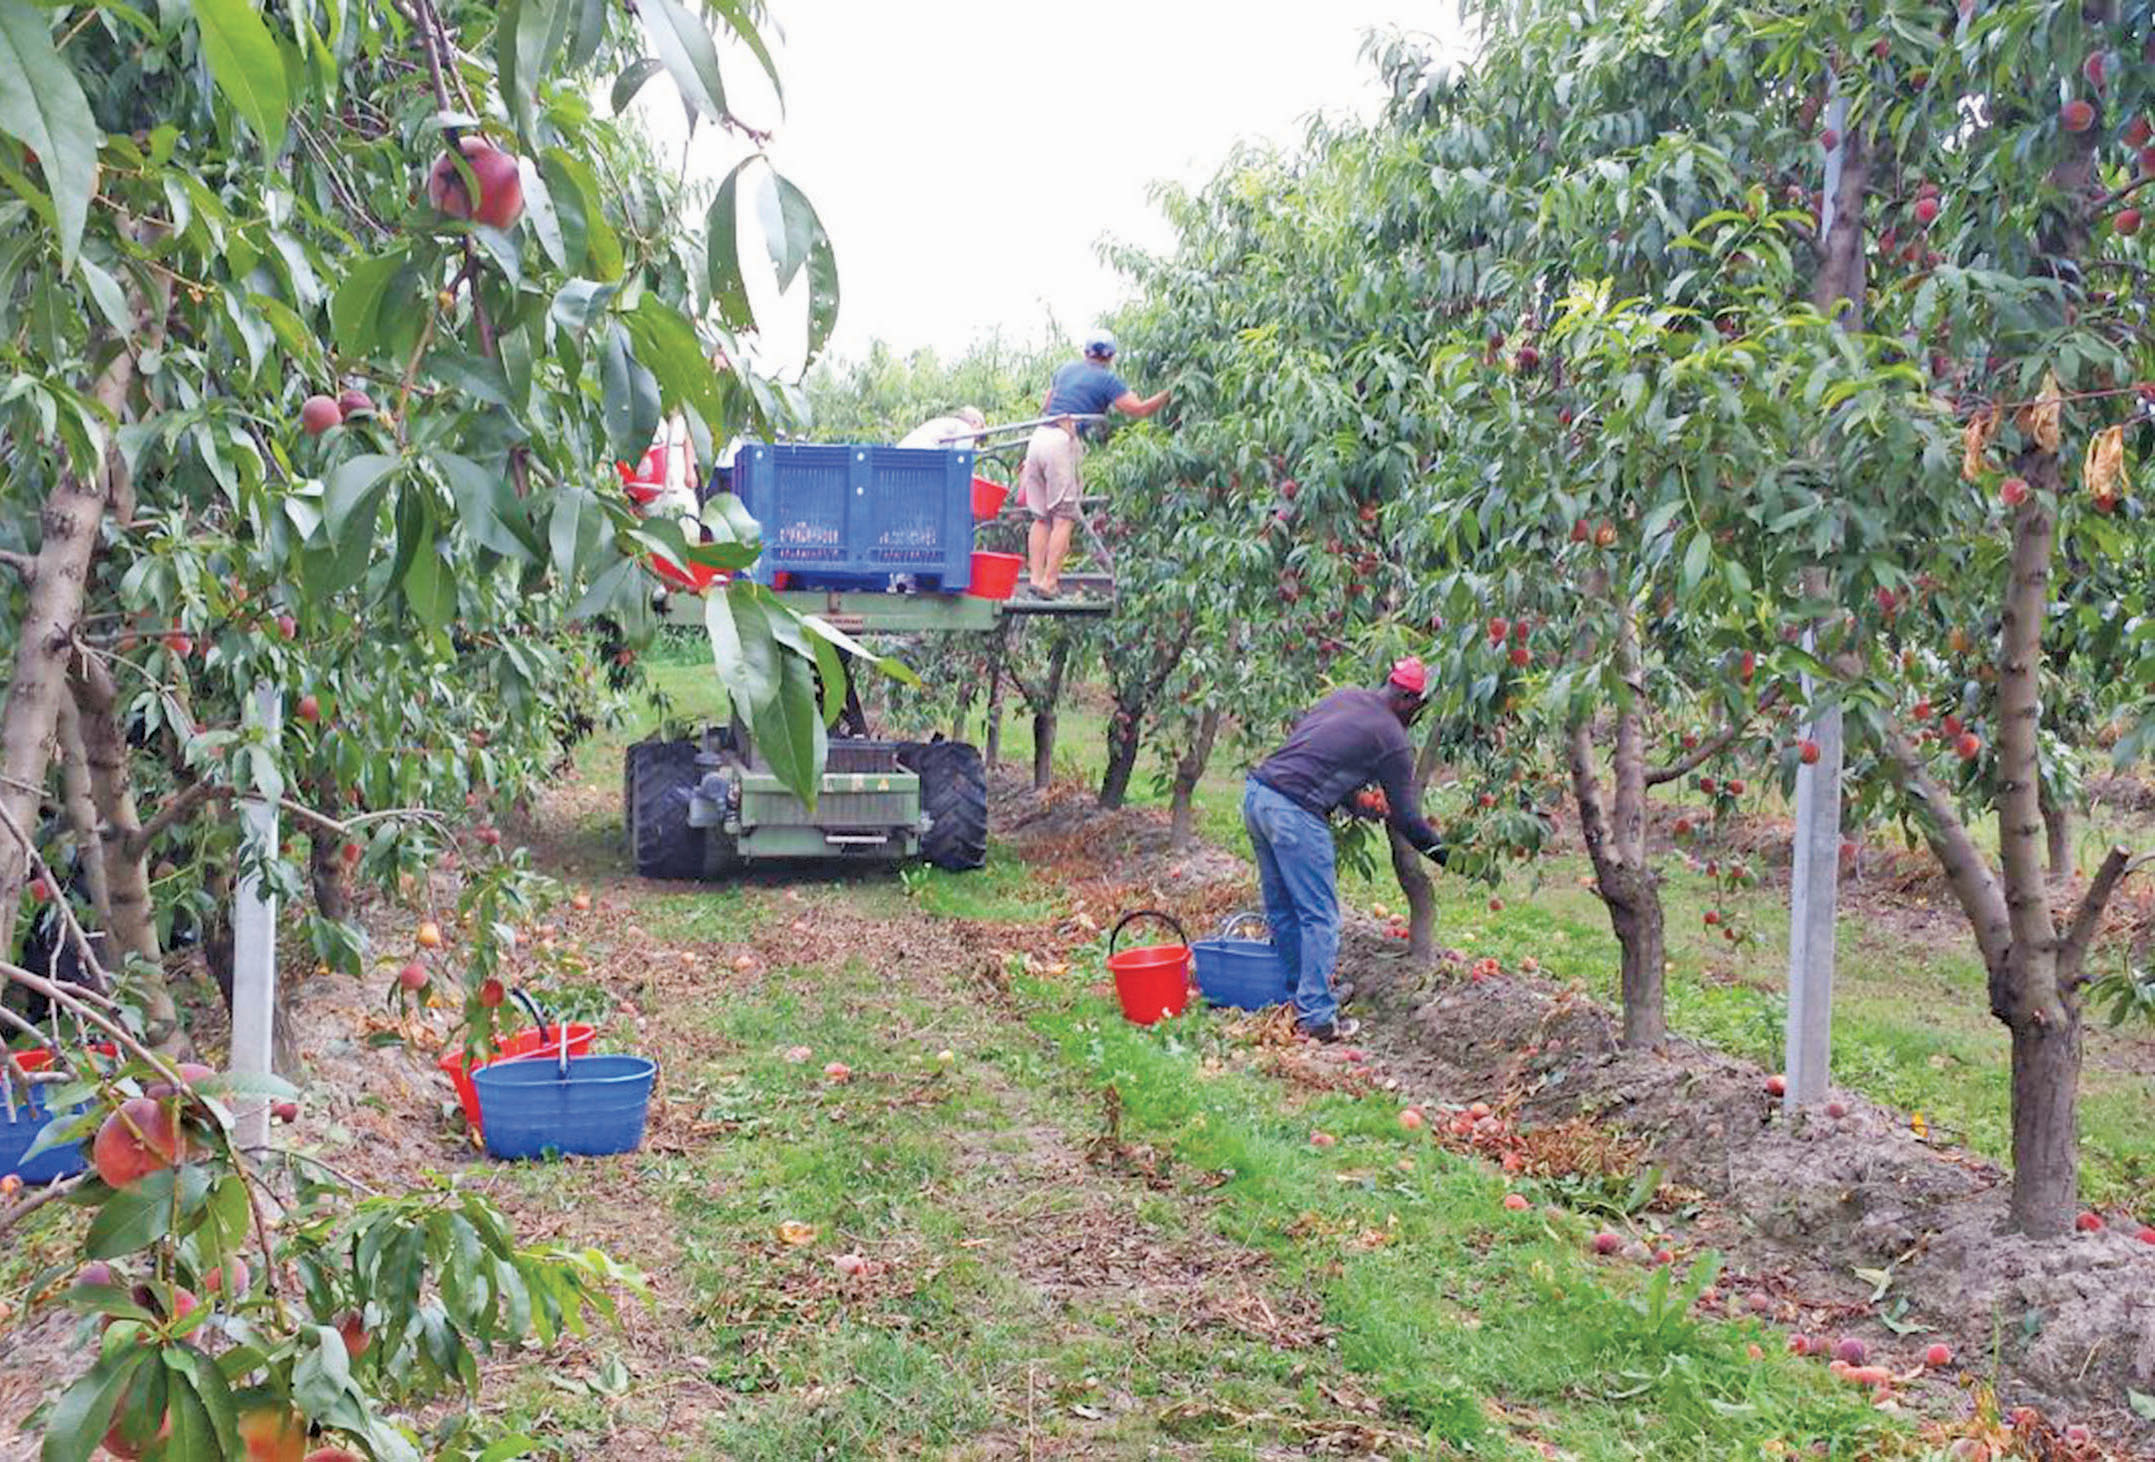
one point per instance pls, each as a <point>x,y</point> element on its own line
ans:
<point>1048,483</point>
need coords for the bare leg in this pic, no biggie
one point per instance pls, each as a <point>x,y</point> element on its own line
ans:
<point>1058,549</point>
<point>1036,551</point>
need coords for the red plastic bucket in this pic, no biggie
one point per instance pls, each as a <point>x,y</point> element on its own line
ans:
<point>41,1059</point>
<point>535,1042</point>
<point>1153,980</point>
<point>995,575</point>
<point>988,497</point>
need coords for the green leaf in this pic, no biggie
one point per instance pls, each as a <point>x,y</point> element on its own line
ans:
<point>470,374</point>
<point>789,242</point>
<point>322,1376</point>
<point>356,306</point>
<point>629,399</point>
<point>244,58</point>
<point>509,1448</point>
<point>250,1083</point>
<point>84,1412</point>
<point>822,265</point>
<point>789,732</point>
<point>132,1219</point>
<point>589,32</point>
<point>539,208</point>
<point>525,39</point>
<point>2143,1405</point>
<point>736,15</point>
<point>488,507</point>
<point>631,80</point>
<point>110,299</point>
<point>722,253</point>
<point>684,46</point>
<point>565,530</point>
<point>607,588</point>
<point>667,343</point>
<point>206,1386</point>
<point>355,491</point>
<point>42,107</point>
<point>570,207</point>
<point>742,649</point>
<point>429,587</point>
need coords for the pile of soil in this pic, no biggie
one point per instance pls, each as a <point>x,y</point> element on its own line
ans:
<point>1798,1205</point>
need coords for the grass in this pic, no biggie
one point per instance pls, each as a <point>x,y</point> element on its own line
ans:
<point>1453,1309</point>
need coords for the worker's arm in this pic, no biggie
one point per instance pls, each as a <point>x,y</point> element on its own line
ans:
<point>1395,774</point>
<point>1132,404</point>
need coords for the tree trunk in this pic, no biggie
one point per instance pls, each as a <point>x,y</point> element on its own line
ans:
<point>1420,891</point>
<point>992,743</point>
<point>59,579</point>
<point>1634,903</point>
<point>1189,770</point>
<point>1045,714</point>
<point>327,873</point>
<point>2058,838</point>
<point>124,849</point>
<point>1411,869</point>
<point>2046,1140</point>
<point>1043,750</point>
<point>1125,735</point>
<point>81,809</point>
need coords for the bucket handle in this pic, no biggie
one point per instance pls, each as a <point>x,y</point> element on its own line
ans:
<point>1242,920</point>
<point>1164,917</point>
<point>538,1020</point>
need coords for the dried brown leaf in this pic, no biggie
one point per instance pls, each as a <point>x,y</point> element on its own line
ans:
<point>1975,443</point>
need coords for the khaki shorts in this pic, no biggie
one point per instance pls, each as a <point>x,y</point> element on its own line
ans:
<point>1048,483</point>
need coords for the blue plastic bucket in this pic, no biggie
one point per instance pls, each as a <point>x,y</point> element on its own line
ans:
<point>17,1136</point>
<point>1244,973</point>
<point>531,1109</point>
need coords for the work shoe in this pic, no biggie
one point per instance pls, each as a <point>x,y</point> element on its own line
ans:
<point>1334,1030</point>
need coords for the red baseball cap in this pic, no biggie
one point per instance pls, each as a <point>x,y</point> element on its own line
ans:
<point>1408,674</point>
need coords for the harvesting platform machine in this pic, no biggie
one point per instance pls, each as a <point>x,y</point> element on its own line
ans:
<point>874,540</point>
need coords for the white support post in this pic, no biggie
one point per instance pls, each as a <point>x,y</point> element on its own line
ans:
<point>1815,854</point>
<point>254,951</point>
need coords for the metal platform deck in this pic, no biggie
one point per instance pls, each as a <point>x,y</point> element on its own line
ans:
<point>1084,596</point>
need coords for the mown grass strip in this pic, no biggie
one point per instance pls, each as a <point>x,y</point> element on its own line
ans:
<point>1452,1308</point>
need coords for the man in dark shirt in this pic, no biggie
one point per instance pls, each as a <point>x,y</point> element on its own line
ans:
<point>1346,741</point>
<point>1048,482</point>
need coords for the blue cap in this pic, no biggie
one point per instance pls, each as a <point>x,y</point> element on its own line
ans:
<point>1100,342</point>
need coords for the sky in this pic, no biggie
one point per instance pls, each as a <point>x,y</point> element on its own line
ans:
<point>966,156</point>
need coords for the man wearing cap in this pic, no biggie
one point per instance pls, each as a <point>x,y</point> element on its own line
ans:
<point>1048,483</point>
<point>1345,742</point>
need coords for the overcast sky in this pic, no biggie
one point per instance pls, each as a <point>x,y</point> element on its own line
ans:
<point>967,155</point>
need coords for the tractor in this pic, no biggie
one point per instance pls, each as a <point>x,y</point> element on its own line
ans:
<point>874,540</point>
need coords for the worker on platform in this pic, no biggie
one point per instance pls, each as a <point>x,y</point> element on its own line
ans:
<point>960,428</point>
<point>1048,483</point>
<point>1347,741</point>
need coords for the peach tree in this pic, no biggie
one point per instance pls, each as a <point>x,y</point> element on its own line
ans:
<point>320,333</point>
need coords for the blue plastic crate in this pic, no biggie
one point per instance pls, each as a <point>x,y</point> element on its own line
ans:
<point>857,517</point>
<point>19,1132</point>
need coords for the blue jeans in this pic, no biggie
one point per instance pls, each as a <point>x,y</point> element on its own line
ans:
<point>1301,892</point>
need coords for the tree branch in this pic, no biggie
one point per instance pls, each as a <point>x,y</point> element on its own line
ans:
<point>2111,200</point>
<point>177,808</point>
<point>1970,878</point>
<point>1713,745</point>
<point>22,563</point>
<point>2088,917</point>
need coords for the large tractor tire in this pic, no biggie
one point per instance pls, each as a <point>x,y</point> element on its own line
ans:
<point>659,776</point>
<point>954,794</point>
